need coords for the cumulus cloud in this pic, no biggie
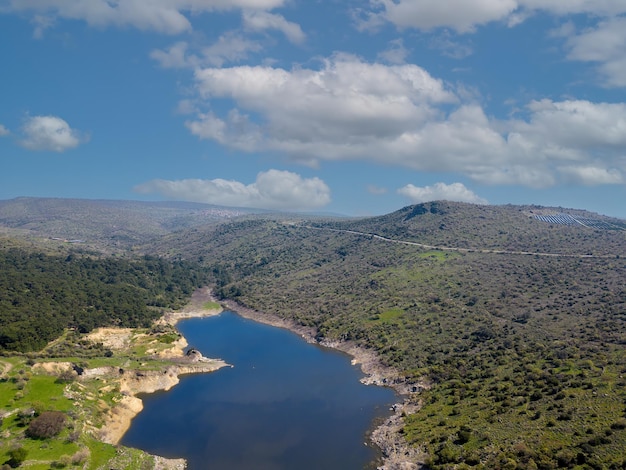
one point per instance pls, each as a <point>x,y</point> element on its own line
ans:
<point>346,102</point>
<point>460,15</point>
<point>163,16</point>
<point>440,191</point>
<point>575,127</point>
<point>273,189</point>
<point>4,131</point>
<point>464,16</point>
<point>592,176</point>
<point>263,20</point>
<point>604,44</point>
<point>400,115</point>
<point>49,133</point>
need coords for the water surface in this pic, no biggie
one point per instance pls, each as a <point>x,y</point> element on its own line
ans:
<point>285,404</point>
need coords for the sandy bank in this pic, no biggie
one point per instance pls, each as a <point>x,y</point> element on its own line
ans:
<point>195,308</point>
<point>397,454</point>
<point>132,383</point>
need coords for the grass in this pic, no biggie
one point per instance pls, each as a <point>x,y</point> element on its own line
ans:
<point>211,306</point>
<point>437,255</point>
<point>47,391</point>
<point>49,450</point>
<point>100,453</point>
<point>390,316</point>
<point>24,387</point>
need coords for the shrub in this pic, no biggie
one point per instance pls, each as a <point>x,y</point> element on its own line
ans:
<point>46,425</point>
<point>16,456</point>
<point>80,456</point>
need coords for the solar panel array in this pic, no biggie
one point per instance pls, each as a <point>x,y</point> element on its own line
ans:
<point>567,219</point>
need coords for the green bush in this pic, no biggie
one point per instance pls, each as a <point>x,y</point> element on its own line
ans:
<point>16,456</point>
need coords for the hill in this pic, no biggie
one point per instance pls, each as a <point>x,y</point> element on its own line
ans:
<point>105,225</point>
<point>518,324</point>
<point>507,322</point>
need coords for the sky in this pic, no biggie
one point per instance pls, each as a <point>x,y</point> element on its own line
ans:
<point>348,107</point>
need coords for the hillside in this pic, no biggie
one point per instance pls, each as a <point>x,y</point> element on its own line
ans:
<point>525,352</point>
<point>104,225</point>
<point>513,317</point>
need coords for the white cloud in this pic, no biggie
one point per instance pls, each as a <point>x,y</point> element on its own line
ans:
<point>173,57</point>
<point>230,47</point>
<point>606,45</point>
<point>460,15</point>
<point>440,191</point>
<point>49,133</point>
<point>164,16</point>
<point>262,20</point>
<point>4,131</point>
<point>402,116</point>
<point>572,7</point>
<point>576,126</point>
<point>395,53</point>
<point>344,102</point>
<point>464,16</point>
<point>273,189</point>
<point>592,176</point>
<point>449,47</point>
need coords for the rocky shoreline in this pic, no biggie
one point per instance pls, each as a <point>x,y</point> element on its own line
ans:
<point>133,382</point>
<point>397,454</point>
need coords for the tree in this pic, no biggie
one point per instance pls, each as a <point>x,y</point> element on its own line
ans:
<point>46,425</point>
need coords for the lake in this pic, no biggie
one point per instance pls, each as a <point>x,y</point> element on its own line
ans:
<point>285,404</point>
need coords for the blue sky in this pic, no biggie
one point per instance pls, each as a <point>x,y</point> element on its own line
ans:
<point>351,107</point>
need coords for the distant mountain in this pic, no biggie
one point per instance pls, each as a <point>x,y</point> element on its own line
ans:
<point>107,224</point>
<point>442,224</point>
<point>507,227</point>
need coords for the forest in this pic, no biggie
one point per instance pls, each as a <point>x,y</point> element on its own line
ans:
<point>43,294</point>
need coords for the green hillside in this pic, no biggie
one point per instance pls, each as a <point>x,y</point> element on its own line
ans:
<point>525,352</point>
<point>513,318</point>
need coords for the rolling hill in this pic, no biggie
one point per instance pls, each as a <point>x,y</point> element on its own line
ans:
<point>518,325</point>
<point>509,325</point>
<point>105,225</point>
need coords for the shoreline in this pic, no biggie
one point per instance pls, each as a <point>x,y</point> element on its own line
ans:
<point>119,418</point>
<point>396,453</point>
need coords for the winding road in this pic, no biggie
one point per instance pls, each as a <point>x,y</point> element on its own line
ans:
<point>462,250</point>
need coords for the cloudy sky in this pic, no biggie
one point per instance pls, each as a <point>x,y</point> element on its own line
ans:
<point>352,107</point>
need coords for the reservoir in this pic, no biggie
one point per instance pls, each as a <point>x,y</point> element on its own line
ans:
<point>285,404</point>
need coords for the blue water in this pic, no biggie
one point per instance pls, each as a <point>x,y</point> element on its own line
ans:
<point>285,404</point>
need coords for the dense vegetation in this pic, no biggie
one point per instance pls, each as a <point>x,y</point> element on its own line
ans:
<point>516,326</point>
<point>41,295</point>
<point>525,354</point>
